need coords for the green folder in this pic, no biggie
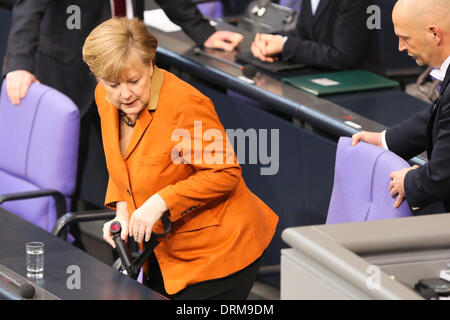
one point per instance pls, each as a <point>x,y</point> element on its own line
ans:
<point>340,81</point>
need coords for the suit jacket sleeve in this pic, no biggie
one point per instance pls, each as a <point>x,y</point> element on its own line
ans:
<point>349,39</point>
<point>430,182</point>
<point>409,138</point>
<point>216,173</point>
<point>186,14</point>
<point>23,37</point>
<point>112,195</point>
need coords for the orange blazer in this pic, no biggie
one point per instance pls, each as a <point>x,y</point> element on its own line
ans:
<point>219,225</point>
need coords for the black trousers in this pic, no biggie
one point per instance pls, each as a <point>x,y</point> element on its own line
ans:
<point>236,286</point>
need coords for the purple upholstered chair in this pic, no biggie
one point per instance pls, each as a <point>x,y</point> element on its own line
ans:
<point>361,184</point>
<point>212,9</point>
<point>294,4</point>
<point>38,154</point>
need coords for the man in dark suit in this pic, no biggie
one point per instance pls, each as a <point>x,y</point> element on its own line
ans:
<point>423,29</point>
<point>45,46</point>
<point>330,34</point>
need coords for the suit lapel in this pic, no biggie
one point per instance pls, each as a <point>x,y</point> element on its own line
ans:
<point>145,118</point>
<point>307,18</point>
<point>320,9</point>
<point>446,81</point>
<point>110,128</point>
<point>110,131</point>
<point>435,113</point>
<point>431,126</point>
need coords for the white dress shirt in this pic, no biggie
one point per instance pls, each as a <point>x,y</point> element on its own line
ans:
<point>314,5</point>
<point>437,74</point>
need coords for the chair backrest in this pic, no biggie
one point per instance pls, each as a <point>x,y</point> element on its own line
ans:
<point>361,184</point>
<point>39,140</point>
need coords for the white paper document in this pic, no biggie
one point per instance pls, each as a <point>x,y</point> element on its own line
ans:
<point>158,19</point>
<point>325,82</point>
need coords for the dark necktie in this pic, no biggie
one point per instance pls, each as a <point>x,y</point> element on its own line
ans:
<point>120,8</point>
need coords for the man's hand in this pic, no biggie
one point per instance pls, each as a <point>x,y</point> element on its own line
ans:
<point>17,84</point>
<point>266,47</point>
<point>143,219</point>
<point>369,137</point>
<point>225,40</point>
<point>397,185</point>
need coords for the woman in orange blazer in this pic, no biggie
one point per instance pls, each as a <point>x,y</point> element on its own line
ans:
<point>166,150</point>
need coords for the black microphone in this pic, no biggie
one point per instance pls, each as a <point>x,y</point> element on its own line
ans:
<point>249,71</point>
<point>26,290</point>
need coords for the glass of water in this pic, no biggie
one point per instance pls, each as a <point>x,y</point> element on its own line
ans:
<point>35,260</point>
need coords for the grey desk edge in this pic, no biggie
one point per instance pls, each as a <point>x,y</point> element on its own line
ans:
<point>340,247</point>
<point>98,280</point>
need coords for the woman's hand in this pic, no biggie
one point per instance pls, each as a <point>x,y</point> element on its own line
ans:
<point>143,219</point>
<point>123,217</point>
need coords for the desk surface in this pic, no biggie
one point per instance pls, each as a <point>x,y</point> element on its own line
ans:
<point>98,280</point>
<point>370,110</point>
<point>178,47</point>
<point>408,249</point>
<point>369,237</point>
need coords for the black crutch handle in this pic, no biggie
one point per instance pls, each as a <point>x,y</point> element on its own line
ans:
<point>134,266</point>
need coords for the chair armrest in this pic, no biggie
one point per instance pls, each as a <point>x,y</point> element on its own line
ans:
<point>60,200</point>
<point>82,216</point>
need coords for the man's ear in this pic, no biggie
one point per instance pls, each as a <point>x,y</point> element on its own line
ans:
<point>436,33</point>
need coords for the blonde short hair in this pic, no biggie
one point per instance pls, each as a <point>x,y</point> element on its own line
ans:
<point>107,48</point>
